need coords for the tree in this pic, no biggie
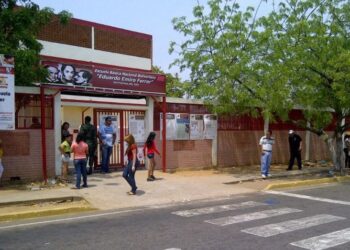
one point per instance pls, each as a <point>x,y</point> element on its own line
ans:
<point>175,87</point>
<point>295,56</point>
<point>20,22</point>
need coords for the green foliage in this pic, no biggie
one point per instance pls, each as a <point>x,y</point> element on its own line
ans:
<point>174,86</point>
<point>295,56</point>
<point>20,22</point>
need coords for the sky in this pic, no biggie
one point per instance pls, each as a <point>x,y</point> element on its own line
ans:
<point>152,17</point>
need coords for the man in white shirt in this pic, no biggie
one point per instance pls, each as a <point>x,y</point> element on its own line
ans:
<point>266,143</point>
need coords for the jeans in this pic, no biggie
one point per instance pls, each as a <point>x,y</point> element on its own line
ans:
<point>80,169</point>
<point>265,162</point>
<point>106,154</point>
<point>129,176</point>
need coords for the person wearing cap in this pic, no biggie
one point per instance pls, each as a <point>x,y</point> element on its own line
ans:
<point>107,135</point>
<point>295,147</point>
<point>266,143</point>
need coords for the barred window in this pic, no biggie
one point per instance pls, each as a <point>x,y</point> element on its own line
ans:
<point>28,111</point>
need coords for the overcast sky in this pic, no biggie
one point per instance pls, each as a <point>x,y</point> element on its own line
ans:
<point>146,16</point>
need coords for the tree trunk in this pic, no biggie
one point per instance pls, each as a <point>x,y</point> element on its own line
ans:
<point>336,150</point>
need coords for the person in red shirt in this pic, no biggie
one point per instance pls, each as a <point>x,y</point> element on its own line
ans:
<point>149,150</point>
<point>80,150</point>
<point>133,163</point>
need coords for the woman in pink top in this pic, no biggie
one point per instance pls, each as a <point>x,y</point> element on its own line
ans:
<point>80,150</point>
<point>149,150</point>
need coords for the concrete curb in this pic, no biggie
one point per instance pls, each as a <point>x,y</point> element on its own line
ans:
<point>78,205</point>
<point>307,182</point>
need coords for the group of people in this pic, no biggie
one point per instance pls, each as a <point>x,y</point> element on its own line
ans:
<point>68,75</point>
<point>295,147</point>
<point>84,149</point>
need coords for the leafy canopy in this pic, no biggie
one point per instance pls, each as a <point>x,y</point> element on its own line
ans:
<point>20,22</point>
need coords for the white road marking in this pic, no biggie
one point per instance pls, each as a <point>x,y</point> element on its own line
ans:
<point>292,225</point>
<point>70,219</point>
<point>217,209</point>
<point>307,197</point>
<point>325,241</point>
<point>224,221</point>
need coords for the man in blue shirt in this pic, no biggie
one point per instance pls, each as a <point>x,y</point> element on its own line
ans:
<point>107,135</point>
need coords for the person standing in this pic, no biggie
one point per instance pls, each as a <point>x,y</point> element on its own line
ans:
<point>295,147</point>
<point>90,137</point>
<point>266,143</point>
<point>133,163</point>
<point>149,149</point>
<point>65,149</point>
<point>1,166</point>
<point>64,131</point>
<point>347,150</point>
<point>107,135</point>
<point>80,150</point>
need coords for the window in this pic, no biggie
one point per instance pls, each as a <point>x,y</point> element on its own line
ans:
<point>28,111</point>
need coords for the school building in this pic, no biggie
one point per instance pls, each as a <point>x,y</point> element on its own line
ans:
<point>100,71</point>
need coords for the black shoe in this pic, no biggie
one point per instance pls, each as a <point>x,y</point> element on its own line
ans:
<point>152,176</point>
<point>150,179</point>
<point>85,186</point>
<point>300,168</point>
<point>289,169</point>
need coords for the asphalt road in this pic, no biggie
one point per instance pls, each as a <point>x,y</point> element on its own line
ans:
<point>311,218</point>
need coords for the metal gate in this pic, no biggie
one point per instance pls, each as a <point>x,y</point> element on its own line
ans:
<point>120,118</point>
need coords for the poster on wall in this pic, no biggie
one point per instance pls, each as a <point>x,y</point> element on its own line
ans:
<point>210,126</point>
<point>170,126</point>
<point>139,153</point>
<point>137,127</point>
<point>7,92</point>
<point>114,123</point>
<point>196,127</point>
<point>182,126</point>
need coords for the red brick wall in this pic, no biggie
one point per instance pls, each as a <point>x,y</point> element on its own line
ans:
<point>185,154</point>
<point>27,164</point>
<point>242,148</point>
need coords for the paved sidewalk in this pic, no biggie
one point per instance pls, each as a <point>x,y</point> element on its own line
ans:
<point>109,191</point>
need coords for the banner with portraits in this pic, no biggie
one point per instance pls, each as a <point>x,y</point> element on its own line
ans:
<point>7,92</point>
<point>90,75</point>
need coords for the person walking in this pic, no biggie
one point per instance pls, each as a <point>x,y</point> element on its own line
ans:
<point>107,135</point>
<point>149,150</point>
<point>80,150</point>
<point>295,147</point>
<point>133,163</point>
<point>266,143</point>
<point>90,137</point>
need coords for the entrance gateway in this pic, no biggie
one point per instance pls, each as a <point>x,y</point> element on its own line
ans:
<point>125,95</point>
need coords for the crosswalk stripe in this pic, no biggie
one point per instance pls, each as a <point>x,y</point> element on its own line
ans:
<point>218,209</point>
<point>224,221</point>
<point>325,241</point>
<point>292,225</point>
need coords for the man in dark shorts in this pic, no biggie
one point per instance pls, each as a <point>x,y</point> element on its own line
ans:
<point>90,137</point>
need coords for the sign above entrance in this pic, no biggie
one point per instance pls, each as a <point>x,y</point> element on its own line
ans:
<point>92,76</point>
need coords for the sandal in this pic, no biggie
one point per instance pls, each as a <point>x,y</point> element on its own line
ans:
<point>131,193</point>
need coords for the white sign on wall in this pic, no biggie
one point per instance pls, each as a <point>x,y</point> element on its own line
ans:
<point>182,126</point>
<point>170,126</point>
<point>210,126</point>
<point>137,127</point>
<point>7,93</point>
<point>196,127</point>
